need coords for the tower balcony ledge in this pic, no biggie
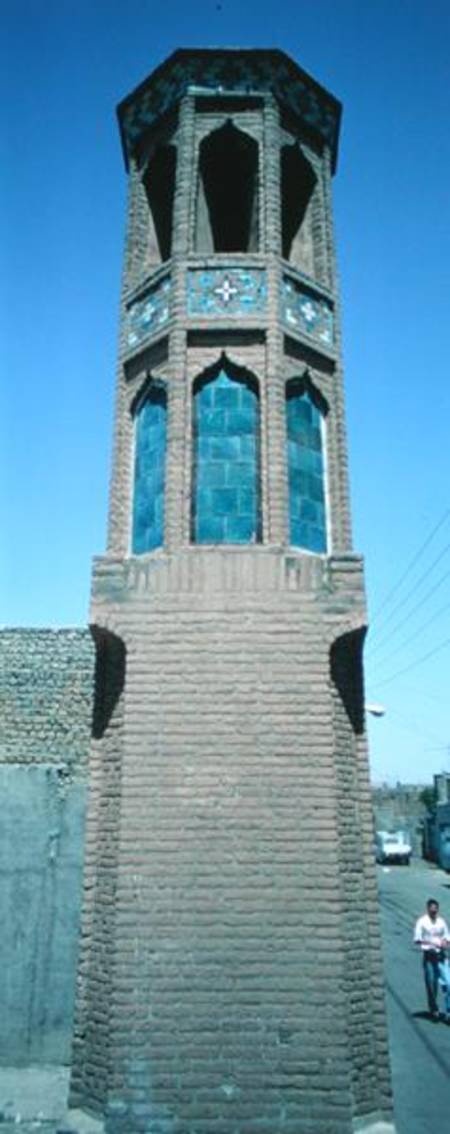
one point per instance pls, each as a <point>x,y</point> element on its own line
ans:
<point>335,581</point>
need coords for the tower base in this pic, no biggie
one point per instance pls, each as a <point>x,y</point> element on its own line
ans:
<point>230,973</point>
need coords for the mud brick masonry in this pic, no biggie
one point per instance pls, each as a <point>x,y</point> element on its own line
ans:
<point>229,975</point>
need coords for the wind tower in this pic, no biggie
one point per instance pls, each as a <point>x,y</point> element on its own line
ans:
<point>230,974</point>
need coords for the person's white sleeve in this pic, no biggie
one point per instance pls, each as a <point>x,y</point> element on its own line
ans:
<point>418,931</point>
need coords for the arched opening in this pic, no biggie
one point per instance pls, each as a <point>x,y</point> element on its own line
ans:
<point>298,182</point>
<point>110,667</point>
<point>306,472</point>
<point>159,185</point>
<point>227,196</point>
<point>149,470</point>
<point>226,478</point>
<point>346,668</point>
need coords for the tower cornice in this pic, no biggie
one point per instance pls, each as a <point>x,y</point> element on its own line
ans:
<point>224,71</point>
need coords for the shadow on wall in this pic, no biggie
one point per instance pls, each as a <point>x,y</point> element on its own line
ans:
<point>109,678</point>
<point>347,675</point>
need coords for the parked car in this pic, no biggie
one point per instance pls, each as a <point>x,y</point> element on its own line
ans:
<point>392,846</point>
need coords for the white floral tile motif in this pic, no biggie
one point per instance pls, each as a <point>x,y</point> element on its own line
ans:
<point>146,316</point>
<point>226,291</point>
<point>306,313</point>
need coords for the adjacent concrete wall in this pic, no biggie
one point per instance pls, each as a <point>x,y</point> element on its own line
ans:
<point>46,691</point>
<point>41,841</point>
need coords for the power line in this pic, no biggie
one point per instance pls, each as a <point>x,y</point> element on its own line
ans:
<point>411,613</point>
<point>407,641</point>
<point>412,564</point>
<point>419,661</point>
<point>410,594</point>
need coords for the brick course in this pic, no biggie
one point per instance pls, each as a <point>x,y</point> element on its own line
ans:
<point>46,697</point>
<point>228,841</point>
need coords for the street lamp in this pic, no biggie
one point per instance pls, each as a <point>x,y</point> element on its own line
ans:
<point>374,709</point>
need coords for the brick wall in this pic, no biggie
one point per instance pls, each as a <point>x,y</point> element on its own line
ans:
<point>222,992</point>
<point>46,697</point>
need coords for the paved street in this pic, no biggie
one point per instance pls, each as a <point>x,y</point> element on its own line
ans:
<point>420,1049</point>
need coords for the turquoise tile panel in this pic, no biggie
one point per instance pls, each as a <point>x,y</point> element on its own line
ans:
<point>306,312</point>
<point>149,473</point>
<point>306,474</point>
<point>226,506</point>
<point>220,292</point>
<point>146,316</point>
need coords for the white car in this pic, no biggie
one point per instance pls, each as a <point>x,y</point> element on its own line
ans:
<point>392,846</point>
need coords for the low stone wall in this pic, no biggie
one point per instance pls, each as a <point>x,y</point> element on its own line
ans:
<point>46,695</point>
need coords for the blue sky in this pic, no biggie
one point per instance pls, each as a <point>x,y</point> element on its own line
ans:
<point>66,65</point>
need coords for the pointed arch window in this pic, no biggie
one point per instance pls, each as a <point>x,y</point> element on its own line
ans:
<point>298,182</point>
<point>227,197</point>
<point>149,470</point>
<point>306,467</point>
<point>159,185</point>
<point>226,488</point>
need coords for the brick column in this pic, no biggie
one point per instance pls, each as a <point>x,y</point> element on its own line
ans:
<point>177,498</point>
<point>273,415</point>
<point>340,518</point>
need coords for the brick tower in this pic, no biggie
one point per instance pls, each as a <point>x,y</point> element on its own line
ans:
<point>230,975</point>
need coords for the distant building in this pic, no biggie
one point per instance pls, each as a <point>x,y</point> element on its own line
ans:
<point>436,834</point>
<point>400,808</point>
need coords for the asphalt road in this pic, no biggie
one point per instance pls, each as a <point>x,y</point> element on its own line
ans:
<point>420,1049</point>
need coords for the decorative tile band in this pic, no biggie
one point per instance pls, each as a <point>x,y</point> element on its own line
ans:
<point>226,291</point>
<point>147,315</point>
<point>306,313</point>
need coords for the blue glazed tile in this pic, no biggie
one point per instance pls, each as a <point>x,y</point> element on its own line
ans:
<point>210,529</point>
<point>309,314</point>
<point>241,421</point>
<point>225,462</point>
<point>202,447</point>
<point>224,501</point>
<point>240,529</point>
<point>212,421</point>
<point>305,472</point>
<point>308,510</point>
<point>248,448</point>
<point>222,292</point>
<point>227,397</point>
<point>146,316</point>
<point>316,439</point>
<point>316,538</point>
<point>149,474</point>
<point>211,474</point>
<point>316,489</point>
<point>247,502</point>
<point>240,473</point>
<point>206,396</point>
<point>204,501</point>
<point>225,448</point>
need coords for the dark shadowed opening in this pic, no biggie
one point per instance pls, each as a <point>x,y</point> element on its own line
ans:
<point>110,666</point>
<point>298,181</point>
<point>227,213</point>
<point>159,184</point>
<point>346,668</point>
